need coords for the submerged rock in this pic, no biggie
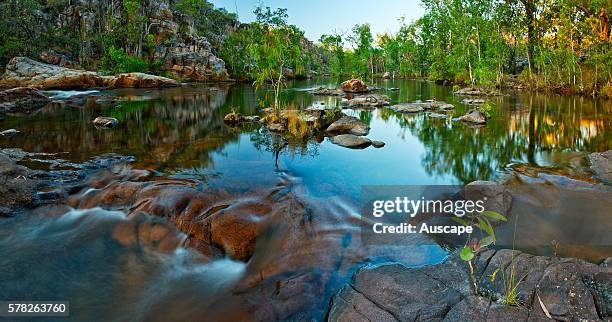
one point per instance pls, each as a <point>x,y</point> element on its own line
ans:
<point>378,144</point>
<point>351,141</point>
<point>105,122</point>
<point>348,125</point>
<point>473,116</point>
<point>23,71</point>
<point>22,100</point>
<point>601,165</point>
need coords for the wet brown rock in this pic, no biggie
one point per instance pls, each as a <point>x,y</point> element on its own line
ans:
<point>348,125</point>
<point>147,232</point>
<point>22,100</point>
<point>378,144</point>
<point>354,86</point>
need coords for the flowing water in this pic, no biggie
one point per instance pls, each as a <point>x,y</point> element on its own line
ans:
<point>537,142</point>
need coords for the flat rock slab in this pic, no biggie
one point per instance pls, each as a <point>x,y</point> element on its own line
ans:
<point>323,91</point>
<point>419,106</point>
<point>25,72</point>
<point>351,141</point>
<point>367,101</point>
<point>472,91</point>
<point>570,289</point>
<point>348,125</point>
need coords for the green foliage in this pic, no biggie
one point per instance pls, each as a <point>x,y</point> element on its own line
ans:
<point>487,109</point>
<point>116,61</point>
<point>473,245</point>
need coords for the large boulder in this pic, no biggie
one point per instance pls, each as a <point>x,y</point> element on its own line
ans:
<point>348,125</point>
<point>354,86</point>
<point>351,141</point>
<point>23,71</point>
<point>22,100</point>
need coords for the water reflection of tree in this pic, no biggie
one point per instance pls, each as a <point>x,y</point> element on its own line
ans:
<point>517,134</point>
<point>279,144</point>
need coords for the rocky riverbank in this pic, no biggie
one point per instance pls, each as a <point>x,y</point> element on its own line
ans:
<point>304,261</point>
<point>25,72</point>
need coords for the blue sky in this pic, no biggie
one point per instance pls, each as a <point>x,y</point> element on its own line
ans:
<point>317,17</point>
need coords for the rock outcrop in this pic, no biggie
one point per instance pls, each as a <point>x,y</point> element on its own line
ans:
<point>22,100</point>
<point>25,72</point>
<point>569,289</point>
<point>192,61</point>
<point>419,106</point>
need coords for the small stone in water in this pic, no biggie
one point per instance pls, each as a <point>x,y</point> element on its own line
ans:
<point>105,122</point>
